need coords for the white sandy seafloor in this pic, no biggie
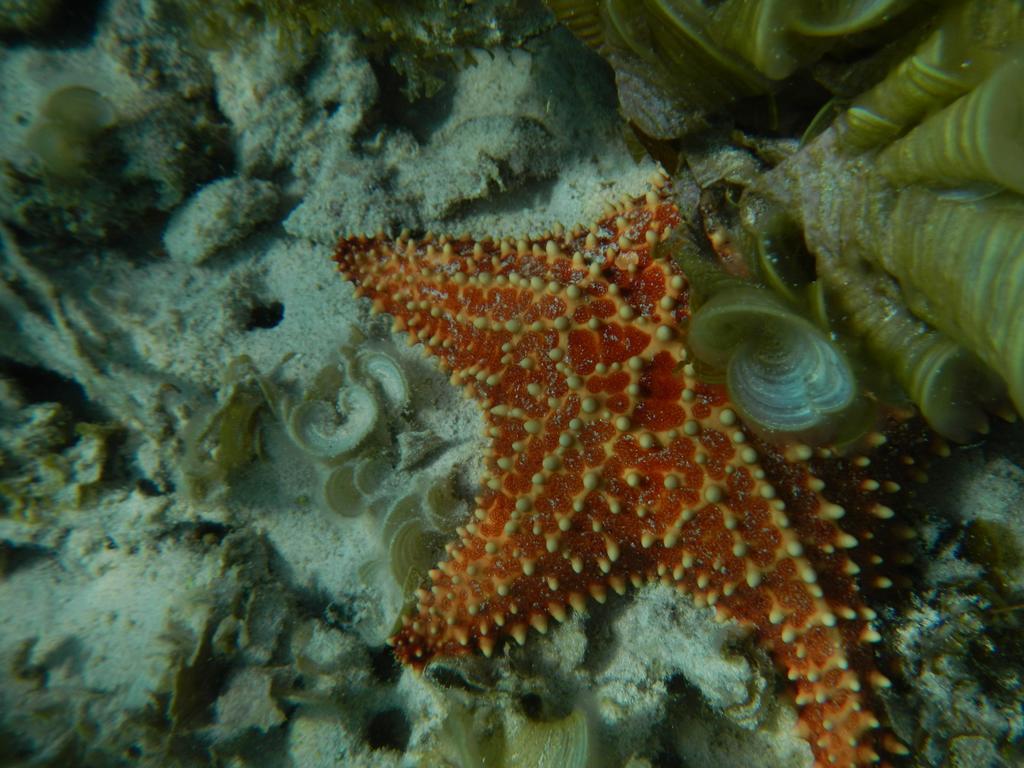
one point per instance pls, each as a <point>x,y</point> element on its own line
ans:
<point>158,613</point>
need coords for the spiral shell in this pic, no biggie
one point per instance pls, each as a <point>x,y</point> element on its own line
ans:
<point>329,432</point>
<point>784,375</point>
<point>382,369</point>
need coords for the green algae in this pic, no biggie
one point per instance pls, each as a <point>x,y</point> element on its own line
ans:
<point>50,464</point>
<point>220,440</point>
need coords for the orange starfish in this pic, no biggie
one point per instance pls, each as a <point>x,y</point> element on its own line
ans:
<point>611,464</point>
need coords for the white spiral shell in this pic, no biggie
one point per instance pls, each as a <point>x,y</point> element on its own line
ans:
<point>784,375</point>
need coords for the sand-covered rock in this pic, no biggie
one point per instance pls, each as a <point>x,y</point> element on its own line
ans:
<point>219,214</point>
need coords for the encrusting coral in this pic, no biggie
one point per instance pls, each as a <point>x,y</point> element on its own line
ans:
<point>89,171</point>
<point>610,464</point>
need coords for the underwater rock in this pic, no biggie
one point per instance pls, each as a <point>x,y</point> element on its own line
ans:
<point>135,166</point>
<point>324,651</point>
<point>266,615</point>
<point>218,215</point>
<point>421,41</point>
<point>247,703</point>
<point>27,15</point>
<point>639,667</point>
<point>100,598</point>
<point>698,738</point>
<point>257,90</point>
<point>97,137</point>
<point>963,663</point>
<point>320,742</point>
<point>507,126</point>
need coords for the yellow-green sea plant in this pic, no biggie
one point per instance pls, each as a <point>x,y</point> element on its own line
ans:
<point>769,341</point>
<point>971,40</point>
<point>919,241</point>
<point>908,209</point>
<point>221,438</point>
<point>677,60</point>
<point>977,138</point>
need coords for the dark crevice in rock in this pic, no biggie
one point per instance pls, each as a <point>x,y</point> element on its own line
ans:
<point>266,315</point>
<point>389,729</point>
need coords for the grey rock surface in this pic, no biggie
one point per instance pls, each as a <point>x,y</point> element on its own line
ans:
<point>218,215</point>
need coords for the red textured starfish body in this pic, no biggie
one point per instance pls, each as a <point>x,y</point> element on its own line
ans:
<point>611,464</point>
